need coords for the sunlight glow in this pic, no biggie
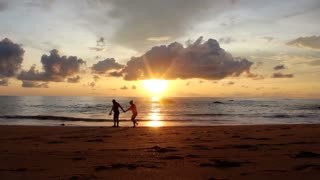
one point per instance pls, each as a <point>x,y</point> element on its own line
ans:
<point>155,124</point>
<point>155,99</point>
<point>155,86</point>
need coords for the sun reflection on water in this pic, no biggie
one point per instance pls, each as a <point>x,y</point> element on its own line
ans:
<point>154,115</point>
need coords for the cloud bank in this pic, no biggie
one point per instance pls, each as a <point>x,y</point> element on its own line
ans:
<point>312,42</point>
<point>56,68</point>
<point>204,60</point>
<point>11,57</point>
<point>106,65</point>
<point>75,79</point>
<point>280,75</point>
<point>279,67</point>
<point>31,84</point>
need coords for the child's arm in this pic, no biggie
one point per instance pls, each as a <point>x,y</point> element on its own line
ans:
<point>129,108</point>
<point>111,111</point>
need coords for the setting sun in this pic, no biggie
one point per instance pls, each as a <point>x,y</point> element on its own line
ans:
<point>155,86</point>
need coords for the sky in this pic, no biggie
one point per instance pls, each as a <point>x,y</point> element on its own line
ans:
<point>204,48</point>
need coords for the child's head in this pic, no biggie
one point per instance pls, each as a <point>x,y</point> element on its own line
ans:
<point>131,102</point>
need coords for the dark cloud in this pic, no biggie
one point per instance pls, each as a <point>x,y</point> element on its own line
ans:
<point>124,88</point>
<point>75,79</point>
<point>280,75</point>
<point>255,76</point>
<point>92,84</point>
<point>228,83</point>
<point>115,74</point>
<point>204,60</point>
<point>279,67</point>
<point>55,68</point>
<point>32,84</point>
<point>11,57</point>
<point>96,78</point>
<point>106,65</point>
<point>226,40</point>
<point>312,42</point>
<point>101,42</point>
<point>4,82</point>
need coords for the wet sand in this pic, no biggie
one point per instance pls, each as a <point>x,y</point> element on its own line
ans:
<point>221,152</point>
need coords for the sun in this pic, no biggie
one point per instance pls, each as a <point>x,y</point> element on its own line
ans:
<point>155,86</point>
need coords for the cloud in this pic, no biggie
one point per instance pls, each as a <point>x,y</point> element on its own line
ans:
<point>226,40</point>
<point>11,57</point>
<point>314,63</point>
<point>101,42</point>
<point>280,75</point>
<point>228,83</point>
<point>136,21</point>
<point>32,84</point>
<point>188,83</point>
<point>279,67</point>
<point>106,65</point>
<point>97,49</point>
<point>124,88</point>
<point>3,6</point>
<point>160,38</point>
<point>96,78</point>
<point>268,38</point>
<point>92,84</point>
<point>133,87</point>
<point>55,68</point>
<point>311,42</point>
<point>204,60</point>
<point>257,65</point>
<point>4,82</point>
<point>75,79</point>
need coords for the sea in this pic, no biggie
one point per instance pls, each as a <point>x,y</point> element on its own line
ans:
<point>157,112</point>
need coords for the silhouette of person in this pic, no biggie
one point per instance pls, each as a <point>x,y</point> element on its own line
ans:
<point>134,111</point>
<point>116,112</point>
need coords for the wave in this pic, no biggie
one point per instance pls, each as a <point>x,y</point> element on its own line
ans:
<point>55,118</point>
<point>287,116</point>
<point>74,119</point>
<point>210,114</point>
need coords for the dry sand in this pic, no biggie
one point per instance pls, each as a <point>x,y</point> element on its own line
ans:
<point>222,152</point>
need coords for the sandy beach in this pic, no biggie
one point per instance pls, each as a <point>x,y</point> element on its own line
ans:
<point>219,152</point>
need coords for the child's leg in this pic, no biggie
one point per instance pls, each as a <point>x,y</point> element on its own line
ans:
<point>114,120</point>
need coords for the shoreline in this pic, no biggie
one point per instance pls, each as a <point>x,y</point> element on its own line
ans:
<point>286,151</point>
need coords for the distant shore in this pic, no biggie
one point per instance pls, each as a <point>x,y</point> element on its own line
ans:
<point>215,152</point>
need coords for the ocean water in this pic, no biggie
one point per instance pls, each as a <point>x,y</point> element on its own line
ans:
<point>94,111</point>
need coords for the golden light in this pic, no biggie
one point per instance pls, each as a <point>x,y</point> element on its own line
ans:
<point>155,124</point>
<point>155,86</point>
<point>154,116</point>
<point>155,99</point>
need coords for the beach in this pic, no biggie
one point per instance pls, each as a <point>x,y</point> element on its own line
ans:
<point>213,152</point>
